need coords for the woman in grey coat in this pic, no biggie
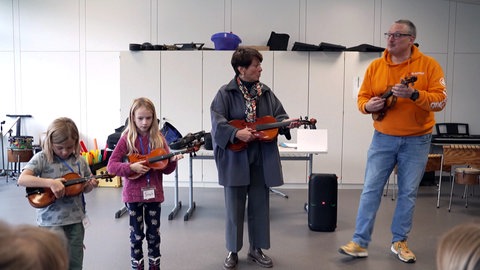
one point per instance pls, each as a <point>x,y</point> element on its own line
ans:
<point>248,171</point>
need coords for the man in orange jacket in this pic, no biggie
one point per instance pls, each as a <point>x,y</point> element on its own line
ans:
<point>401,90</point>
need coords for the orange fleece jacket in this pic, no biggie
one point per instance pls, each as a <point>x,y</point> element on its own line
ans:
<point>406,117</point>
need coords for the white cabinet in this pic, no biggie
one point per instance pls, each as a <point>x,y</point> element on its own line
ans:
<point>139,77</point>
<point>290,85</point>
<point>357,127</point>
<point>173,81</point>
<point>217,71</point>
<point>181,98</point>
<point>326,105</point>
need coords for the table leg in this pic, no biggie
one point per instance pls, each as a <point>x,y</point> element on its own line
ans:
<point>192,205</point>
<point>278,193</point>
<point>310,169</point>
<point>178,204</point>
<point>120,212</point>
<point>310,164</point>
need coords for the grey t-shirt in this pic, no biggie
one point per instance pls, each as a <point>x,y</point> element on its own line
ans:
<point>66,210</point>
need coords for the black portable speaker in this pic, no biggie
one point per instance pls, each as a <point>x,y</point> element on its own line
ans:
<point>322,202</point>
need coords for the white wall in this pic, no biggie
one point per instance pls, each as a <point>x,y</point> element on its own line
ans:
<point>61,57</point>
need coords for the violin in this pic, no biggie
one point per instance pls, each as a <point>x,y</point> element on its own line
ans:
<point>390,99</point>
<point>265,129</point>
<point>158,158</point>
<point>40,197</point>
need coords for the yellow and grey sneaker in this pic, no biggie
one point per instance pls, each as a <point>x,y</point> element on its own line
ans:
<point>402,251</point>
<point>353,249</point>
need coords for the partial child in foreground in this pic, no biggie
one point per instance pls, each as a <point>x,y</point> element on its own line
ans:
<point>28,247</point>
<point>459,248</point>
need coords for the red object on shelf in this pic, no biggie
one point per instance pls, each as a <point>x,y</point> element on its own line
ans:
<point>84,148</point>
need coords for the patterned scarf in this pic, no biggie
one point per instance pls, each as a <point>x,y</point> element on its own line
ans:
<point>250,100</point>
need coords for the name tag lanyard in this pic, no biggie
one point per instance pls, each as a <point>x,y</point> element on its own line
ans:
<point>143,153</point>
<point>70,168</point>
<point>79,173</point>
<point>148,192</point>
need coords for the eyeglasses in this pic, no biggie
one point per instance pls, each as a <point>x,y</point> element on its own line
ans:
<point>396,35</point>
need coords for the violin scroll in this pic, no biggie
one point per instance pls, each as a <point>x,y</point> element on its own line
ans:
<point>310,123</point>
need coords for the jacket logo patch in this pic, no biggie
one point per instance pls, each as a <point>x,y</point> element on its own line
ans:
<point>442,82</point>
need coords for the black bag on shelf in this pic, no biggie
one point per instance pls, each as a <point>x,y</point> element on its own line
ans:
<point>366,48</point>
<point>329,47</point>
<point>278,42</point>
<point>299,46</point>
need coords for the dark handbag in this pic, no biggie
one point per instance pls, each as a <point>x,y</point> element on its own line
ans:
<point>300,46</point>
<point>208,141</point>
<point>170,133</point>
<point>278,42</point>
<point>324,46</point>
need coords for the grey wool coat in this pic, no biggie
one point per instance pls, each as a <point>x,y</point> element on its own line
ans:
<point>233,167</point>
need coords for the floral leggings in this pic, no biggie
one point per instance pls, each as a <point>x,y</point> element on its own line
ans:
<point>150,212</point>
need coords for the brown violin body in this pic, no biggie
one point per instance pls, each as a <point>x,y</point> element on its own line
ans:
<point>263,135</point>
<point>390,99</point>
<point>158,158</point>
<point>40,197</point>
<point>264,129</point>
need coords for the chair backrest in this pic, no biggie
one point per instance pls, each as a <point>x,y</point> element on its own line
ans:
<point>449,129</point>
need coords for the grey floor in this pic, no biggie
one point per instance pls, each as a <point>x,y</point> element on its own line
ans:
<point>198,243</point>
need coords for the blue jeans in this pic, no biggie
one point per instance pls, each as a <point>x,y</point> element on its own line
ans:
<point>410,154</point>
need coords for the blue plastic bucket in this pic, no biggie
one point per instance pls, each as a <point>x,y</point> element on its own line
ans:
<point>226,41</point>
